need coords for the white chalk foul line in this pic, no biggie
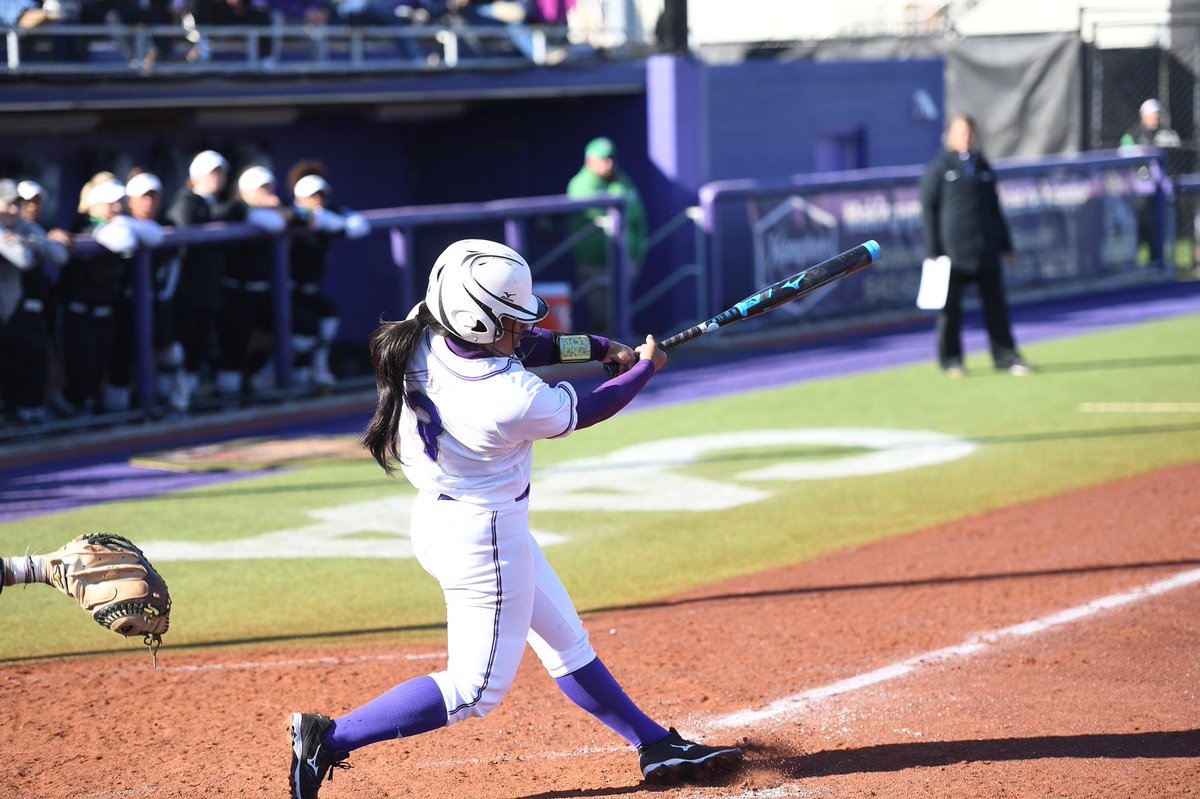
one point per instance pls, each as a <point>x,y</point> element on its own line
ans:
<point>263,665</point>
<point>972,646</point>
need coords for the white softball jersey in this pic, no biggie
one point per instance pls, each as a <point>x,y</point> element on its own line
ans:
<point>468,429</point>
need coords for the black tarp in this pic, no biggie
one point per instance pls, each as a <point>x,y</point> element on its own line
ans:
<point>1024,91</point>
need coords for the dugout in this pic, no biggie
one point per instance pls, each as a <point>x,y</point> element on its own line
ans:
<point>474,135</point>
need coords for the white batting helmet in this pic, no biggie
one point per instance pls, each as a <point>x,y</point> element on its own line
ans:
<point>474,282</point>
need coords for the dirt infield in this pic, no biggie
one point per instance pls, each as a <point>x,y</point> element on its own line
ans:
<point>1050,649</point>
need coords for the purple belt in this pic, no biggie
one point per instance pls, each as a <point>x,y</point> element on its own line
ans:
<point>524,494</point>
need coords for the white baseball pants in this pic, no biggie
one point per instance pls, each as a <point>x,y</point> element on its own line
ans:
<point>500,592</point>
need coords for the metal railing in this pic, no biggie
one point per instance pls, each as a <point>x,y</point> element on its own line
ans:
<point>279,48</point>
<point>697,271</point>
<point>401,223</point>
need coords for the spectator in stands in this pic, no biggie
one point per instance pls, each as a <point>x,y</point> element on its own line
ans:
<point>962,220</point>
<point>172,388</point>
<point>23,14</point>
<point>149,13</point>
<point>198,295</point>
<point>1149,132</point>
<point>29,14</point>
<point>555,12</point>
<point>601,175</point>
<point>246,312</point>
<point>514,15</point>
<point>200,13</point>
<point>378,13</point>
<point>25,318</point>
<point>314,316</point>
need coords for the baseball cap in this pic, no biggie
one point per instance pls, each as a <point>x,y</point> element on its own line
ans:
<point>8,192</point>
<point>142,184</point>
<point>1152,106</point>
<point>28,189</point>
<point>254,178</point>
<point>600,147</point>
<point>110,191</point>
<point>309,185</point>
<point>206,162</point>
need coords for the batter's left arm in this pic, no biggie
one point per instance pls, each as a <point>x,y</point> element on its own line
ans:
<point>613,395</point>
<point>549,347</point>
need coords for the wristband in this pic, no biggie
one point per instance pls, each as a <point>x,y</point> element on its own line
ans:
<point>573,348</point>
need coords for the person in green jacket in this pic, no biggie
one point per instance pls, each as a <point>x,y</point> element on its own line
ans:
<point>601,175</point>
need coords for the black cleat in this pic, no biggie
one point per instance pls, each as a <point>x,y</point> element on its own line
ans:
<point>674,759</point>
<point>312,758</point>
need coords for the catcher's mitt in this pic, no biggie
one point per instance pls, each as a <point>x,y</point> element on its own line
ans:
<point>115,584</point>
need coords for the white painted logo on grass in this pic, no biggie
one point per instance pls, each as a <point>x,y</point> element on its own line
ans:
<point>645,477</point>
<point>642,478</point>
<point>376,529</point>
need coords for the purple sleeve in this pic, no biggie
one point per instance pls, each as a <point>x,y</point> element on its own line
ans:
<point>613,395</point>
<point>540,350</point>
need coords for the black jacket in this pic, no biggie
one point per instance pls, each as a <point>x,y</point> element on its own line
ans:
<point>93,282</point>
<point>961,212</point>
<point>203,266</point>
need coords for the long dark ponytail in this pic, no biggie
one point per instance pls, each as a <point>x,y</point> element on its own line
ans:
<point>392,345</point>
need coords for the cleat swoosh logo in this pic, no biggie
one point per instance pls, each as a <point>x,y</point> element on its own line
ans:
<point>684,747</point>
<point>312,762</point>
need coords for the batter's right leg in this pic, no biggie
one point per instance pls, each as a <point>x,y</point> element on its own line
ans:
<point>560,641</point>
<point>484,564</point>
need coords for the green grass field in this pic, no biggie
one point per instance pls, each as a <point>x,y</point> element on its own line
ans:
<point>1033,439</point>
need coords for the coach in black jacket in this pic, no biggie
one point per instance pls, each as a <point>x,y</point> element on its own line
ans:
<point>962,220</point>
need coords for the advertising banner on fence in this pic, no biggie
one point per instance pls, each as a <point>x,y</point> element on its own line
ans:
<point>1071,227</point>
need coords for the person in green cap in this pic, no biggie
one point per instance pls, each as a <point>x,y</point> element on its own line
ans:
<point>601,175</point>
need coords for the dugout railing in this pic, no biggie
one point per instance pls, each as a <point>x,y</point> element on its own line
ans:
<point>400,224</point>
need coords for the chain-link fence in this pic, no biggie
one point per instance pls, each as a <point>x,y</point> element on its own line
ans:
<point>1130,61</point>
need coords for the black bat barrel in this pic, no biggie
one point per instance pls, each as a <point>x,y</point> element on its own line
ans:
<point>770,298</point>
<point>806,282</point>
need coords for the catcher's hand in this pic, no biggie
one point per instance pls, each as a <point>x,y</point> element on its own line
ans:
<point>113,582</point>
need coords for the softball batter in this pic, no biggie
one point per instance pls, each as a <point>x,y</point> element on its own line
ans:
<point>459,413</point>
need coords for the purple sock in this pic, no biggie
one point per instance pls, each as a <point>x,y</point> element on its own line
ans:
<point>410,708</point>
<point>595,690</point>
